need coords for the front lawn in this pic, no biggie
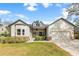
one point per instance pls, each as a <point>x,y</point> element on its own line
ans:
<point>32,49</point>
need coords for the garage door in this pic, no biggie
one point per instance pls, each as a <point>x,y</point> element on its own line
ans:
<point>61,35</point>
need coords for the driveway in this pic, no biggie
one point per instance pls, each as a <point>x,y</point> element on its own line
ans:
<point>71,46</point>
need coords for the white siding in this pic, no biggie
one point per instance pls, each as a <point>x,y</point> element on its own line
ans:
<point>26,28</point>
<point>19,22</point>
<point>13,30</point>
<point>20,25</point>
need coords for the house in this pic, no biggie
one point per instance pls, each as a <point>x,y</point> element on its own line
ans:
<point>61,29</point>
<point>3,29</point>
<point>58,30</point>
<point>20,29</point>
<point>38,28</point>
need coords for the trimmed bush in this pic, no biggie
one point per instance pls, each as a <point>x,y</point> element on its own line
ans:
<point>5,34</point>
<point>13,39</point>
<point>39,38</point>
<point>21,39</point>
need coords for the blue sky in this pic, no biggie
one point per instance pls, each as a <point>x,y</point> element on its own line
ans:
<point>29,12</point>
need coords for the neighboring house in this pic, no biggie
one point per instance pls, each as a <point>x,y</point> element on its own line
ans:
<point>3,29</point>
<point>61,29</point>
<point>20,29</point>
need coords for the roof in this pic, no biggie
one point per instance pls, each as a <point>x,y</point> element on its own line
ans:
<point>17,21</point>
<point>38,25</point>
<point>64,20</point>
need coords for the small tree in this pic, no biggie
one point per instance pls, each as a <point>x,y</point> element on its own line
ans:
<point>76,22</point>
<point>73,10</point>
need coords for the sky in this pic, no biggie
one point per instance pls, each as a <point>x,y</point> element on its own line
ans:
<point>29,12</point>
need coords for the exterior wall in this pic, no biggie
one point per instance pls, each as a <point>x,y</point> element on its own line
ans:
<point>19,22</point>
<point>26,28</point>
<point>13,30</point>
<point>20,25</point>
<point>60,25</point>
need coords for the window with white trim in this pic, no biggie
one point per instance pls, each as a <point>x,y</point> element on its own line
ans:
<point>18,31</point>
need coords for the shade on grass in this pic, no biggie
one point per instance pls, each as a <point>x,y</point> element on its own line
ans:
<point>32,49</point>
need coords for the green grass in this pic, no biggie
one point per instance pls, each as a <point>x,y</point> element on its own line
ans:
<point>32,49</point>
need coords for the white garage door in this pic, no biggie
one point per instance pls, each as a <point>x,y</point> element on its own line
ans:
<point>61,35</point>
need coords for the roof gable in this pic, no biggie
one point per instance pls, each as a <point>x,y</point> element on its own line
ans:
<point>19,20</point>
<point>63,20</point>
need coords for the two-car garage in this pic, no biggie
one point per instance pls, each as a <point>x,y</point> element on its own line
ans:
<point>61,29</point>
<point>61,35</point>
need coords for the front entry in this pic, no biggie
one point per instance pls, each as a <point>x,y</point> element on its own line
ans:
<point>39,30</point>
<point>39,34</point>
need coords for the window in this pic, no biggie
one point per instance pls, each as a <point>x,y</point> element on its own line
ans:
<point>34,24</point>
<point>18,31</point>
<point>23,32</point>
<point>40,33</point>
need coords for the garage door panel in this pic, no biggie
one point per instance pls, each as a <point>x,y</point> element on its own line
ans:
<point>60,35</point>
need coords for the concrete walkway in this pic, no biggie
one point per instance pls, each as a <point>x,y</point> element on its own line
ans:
<point>71,46</point>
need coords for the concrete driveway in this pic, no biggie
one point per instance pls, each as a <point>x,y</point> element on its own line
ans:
<point>71,46</point>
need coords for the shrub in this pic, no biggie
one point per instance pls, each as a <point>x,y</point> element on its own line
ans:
<point>5,34</point>
<point>21,39</point>
<point>40,38</point>
<point>13,39</point>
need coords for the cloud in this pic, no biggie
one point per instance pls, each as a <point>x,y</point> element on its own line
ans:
<point>22,16</point>
<point>46,5</point>
<point>58,5</point>
<point>57,17</point>
<point>51,20</point>
<point>47,22</point>
<point>31,6</point>
<point>64,13</point>
<point>25,4</point>
<point>4,12</point>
